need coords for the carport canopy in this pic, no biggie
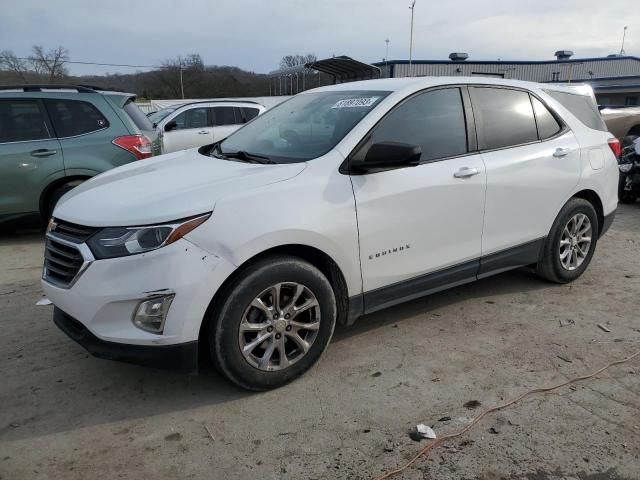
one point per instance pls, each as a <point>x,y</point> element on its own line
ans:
<point>345,69</point>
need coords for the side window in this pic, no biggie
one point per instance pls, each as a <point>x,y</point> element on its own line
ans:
<point>74,117</point>
<point>582,106</point>
<point>192,118</point>
<point>504,117</point>
<point>21,121</point>
<point>548,126</point>
<point>249,113</point>
<point>434,120</point>
<point>226,115</point>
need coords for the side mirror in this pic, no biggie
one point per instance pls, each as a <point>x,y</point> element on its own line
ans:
<point>170,126</point>
<point>391,155</point>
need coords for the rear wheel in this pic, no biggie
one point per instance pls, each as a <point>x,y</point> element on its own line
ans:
<point>571,243</point>
<point>273,323</point>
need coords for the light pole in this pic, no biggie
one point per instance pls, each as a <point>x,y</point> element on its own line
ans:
<point>412,8</point>
<point>624,34</point>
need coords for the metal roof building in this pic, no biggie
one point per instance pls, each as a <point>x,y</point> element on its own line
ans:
<point>615,79</point>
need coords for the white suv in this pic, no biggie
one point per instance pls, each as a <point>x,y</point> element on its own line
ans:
<point>253,248</point>
<point>201,123</point>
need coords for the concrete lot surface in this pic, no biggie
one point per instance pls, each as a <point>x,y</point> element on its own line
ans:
<point>66,415</point>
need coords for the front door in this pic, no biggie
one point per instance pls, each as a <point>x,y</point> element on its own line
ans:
<point>30,156</point>
<point>421,227</point>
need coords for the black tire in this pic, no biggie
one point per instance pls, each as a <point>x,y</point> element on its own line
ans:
<point>56,195</point>
<point>226,317</point>
<point>550,267</point>
<point>626,196</point>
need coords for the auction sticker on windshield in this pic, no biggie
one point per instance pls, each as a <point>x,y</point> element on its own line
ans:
<point>355,102</point>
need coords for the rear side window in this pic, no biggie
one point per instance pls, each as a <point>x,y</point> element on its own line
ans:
<point>249,113</point>
<point>136,115</point>
<point>504,117</point>
<point>582,107</point>
<point>192,118</point>
<point>548,126</point>
<point>21,121</point>
<point>434,120</point>
<point>74,117</point>
<point>226,115</point>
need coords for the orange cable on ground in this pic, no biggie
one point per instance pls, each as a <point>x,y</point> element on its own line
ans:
<point>441,440</point>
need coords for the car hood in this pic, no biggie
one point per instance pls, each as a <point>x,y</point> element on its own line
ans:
<point>164,188</point>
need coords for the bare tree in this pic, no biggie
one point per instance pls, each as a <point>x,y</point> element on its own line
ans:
<point>289,61</point>
<point>51,63</point>
<point>11,63</point>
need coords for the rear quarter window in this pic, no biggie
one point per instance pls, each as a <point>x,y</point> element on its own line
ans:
<point>74,117</point>
<point>582,107</point>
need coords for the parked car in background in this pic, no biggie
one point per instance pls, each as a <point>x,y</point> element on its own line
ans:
<point>623,123</point>
<point>254,247</point>
<point>201,123</point>
<point>54,137</point>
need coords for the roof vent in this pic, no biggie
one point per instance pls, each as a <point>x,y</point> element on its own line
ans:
<point>563,54</point>
<point>458,56</point>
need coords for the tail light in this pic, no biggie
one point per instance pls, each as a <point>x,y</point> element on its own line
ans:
<point>614,145</point>
<point>139,145</point>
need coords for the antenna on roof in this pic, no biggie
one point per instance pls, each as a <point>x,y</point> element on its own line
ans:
<point>624,34</point>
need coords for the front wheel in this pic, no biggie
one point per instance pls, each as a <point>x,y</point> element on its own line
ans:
<point>571,243</point>
<point>273,323</point>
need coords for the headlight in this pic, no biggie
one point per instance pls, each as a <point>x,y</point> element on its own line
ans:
<point>625,167</point>
<point>114,242</point>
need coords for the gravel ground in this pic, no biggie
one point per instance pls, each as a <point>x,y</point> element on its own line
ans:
<point>64,414</point>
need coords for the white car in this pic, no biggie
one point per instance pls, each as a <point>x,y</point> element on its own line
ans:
<point>201,123</point>
<point>255,247</point>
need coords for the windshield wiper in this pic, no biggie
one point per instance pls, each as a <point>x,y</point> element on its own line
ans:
<point>247,157</point>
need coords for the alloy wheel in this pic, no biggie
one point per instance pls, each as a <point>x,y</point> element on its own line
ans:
<point>575,241</point>
<point>279,326</point>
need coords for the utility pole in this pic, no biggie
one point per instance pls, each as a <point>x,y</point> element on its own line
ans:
<point>624,34</point>
<point>412,8</point>
<point>386,57</point>
<point>181,84</point>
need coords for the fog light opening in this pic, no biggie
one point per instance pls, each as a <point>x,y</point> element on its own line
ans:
<point>152,312</point>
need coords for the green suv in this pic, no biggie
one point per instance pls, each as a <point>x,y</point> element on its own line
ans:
<point>54,137</point>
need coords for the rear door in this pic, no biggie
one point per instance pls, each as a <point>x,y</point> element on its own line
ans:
<point>533,163</point>
<point>227,119</point>
<point>193,128</point>
<point>30,155</point>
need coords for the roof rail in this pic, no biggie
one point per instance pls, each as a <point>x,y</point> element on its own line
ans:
<point>40,87</point>
<point>218,101</point>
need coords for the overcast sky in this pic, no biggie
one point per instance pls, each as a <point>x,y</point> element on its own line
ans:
<point>255,34</point>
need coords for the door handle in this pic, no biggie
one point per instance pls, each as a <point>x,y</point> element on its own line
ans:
<point>203,132</point>
<point>466,172</point>
<point>43,152</point>
<point>561,152</point>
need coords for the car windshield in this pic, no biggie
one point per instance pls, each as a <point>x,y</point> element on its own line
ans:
<point>156,117</point>
<point>302,128</point>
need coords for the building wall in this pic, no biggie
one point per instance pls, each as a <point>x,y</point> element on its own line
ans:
<point>533,71</point>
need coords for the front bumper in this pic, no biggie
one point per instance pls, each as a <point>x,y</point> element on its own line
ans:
<point>181,357</point>
<point>97,309</point>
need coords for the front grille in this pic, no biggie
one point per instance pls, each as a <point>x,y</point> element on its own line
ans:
<point>72,232</point>
<point>62,262</point>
